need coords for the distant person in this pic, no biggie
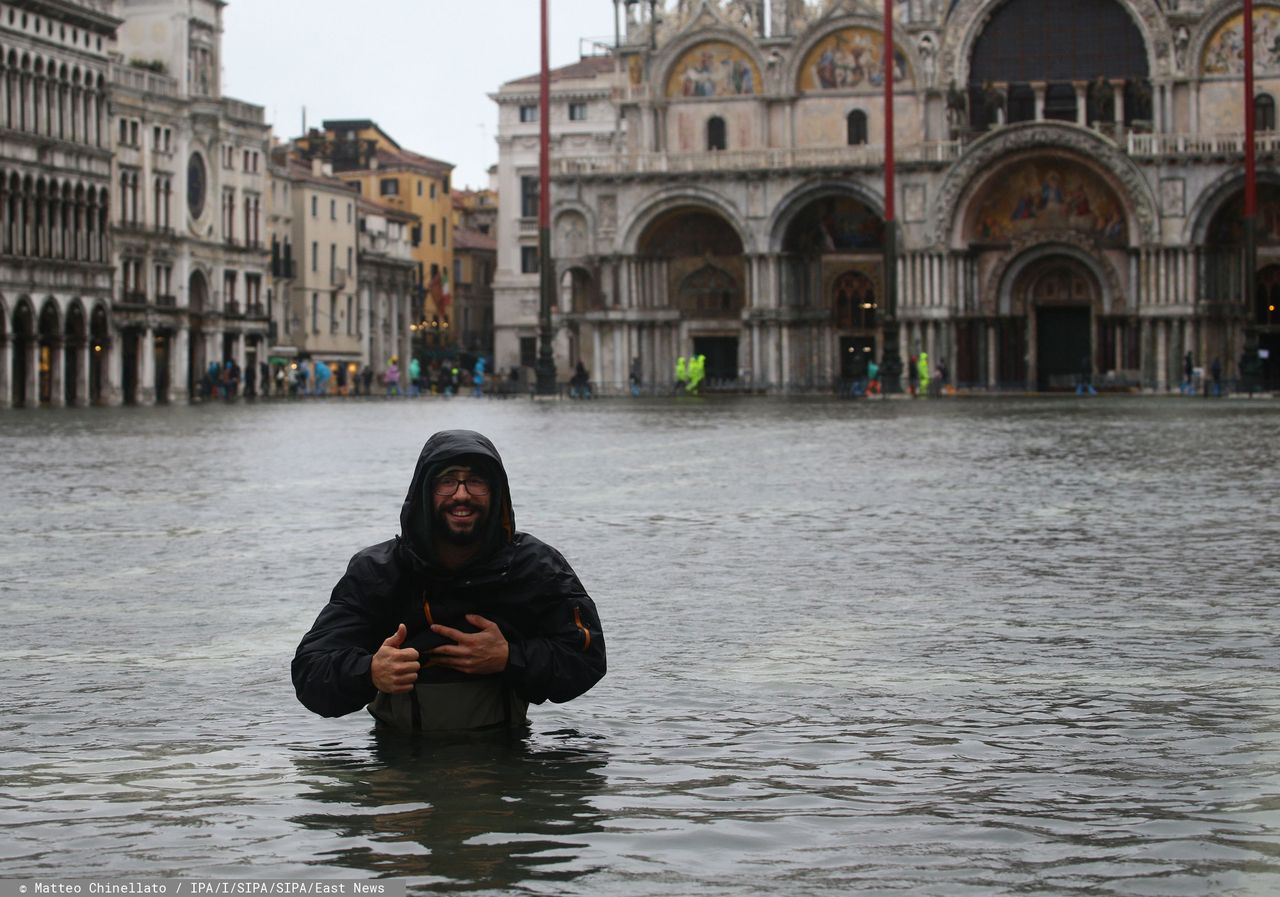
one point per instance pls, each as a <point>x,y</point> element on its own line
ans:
<point>366,377</point>
<point>682,375</point>
<point>1215,372</point>
<point>323,373</point>
<point>1188,375</point>
<point>873,377</point>
<point>392,378</point>
<point>341,378</point>
<point>1084,386</point>
<point>580,382</point>
<point>634,378</point>
<point>415,377</point>
<point>461,621</point>
<point>250,381</point>
<point>923,373</point>
<point>913,375</point>
<point>477,379</point>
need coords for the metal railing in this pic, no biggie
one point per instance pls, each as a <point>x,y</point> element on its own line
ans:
<point>860,156</point>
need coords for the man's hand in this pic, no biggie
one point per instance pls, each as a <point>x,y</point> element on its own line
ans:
<point>478,653</point>
<point>395,669</point>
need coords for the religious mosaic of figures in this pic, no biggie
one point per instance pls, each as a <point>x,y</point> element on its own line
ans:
<point>849,59</point>
<point>1224,53</point>
<point>690,232</point>
<point>1227,228</point>
<point>835,224</point>
<point>1049,194</point>
<point>714,69</point>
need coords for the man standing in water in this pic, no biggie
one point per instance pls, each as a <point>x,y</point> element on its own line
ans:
<point>459,622</point>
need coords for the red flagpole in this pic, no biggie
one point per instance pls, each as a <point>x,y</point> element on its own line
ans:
<point>890,362</point>
<point>1250,125</point>
<point>1250,185</point>
<point>888,112</point>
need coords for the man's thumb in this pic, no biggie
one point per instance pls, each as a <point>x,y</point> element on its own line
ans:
<point>397,639</point>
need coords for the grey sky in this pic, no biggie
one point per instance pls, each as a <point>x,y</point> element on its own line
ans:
<point>422,69</point>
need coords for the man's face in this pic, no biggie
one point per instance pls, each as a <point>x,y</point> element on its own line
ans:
<point>460,513</point>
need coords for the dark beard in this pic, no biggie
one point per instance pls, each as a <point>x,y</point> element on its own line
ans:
<point>448,534</point>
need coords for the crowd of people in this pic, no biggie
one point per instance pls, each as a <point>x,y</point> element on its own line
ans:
<point>316,378</point>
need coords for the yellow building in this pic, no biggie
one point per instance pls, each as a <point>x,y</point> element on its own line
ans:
<point>385,173</point>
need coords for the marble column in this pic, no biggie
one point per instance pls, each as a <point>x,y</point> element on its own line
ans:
<point>30,361</point>
<point>993,357</point>
<point>1162,355</point>
<point>57,373</point>
<point>147,367</point>
<point>6,365</point>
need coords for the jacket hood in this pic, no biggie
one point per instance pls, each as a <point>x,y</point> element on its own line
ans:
<point>451,447</point>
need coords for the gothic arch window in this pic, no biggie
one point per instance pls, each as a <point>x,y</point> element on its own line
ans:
<point>1264,112</point>
<point>709,290</point>
<point>853,302</point>
<point>856,126</point>
<point>716,139</point>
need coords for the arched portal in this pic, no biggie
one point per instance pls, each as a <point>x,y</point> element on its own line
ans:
<point>197,355</point>
<point>696,258</point>
<point>1059,295</point>
<point>99,352</point>
<point>826,239</point>
<point>50,352</point>
<point>23,375</point>
<point>688,240</point>
<point>75,340</point>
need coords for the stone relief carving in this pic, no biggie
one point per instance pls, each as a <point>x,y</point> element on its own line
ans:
<point>1173,197</point>
<point>571,236</point>
<point>1007,141</point>
<point>608,212</point>
<point>927,47</point>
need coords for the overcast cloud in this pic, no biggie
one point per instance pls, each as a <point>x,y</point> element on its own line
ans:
<point>422,69</point>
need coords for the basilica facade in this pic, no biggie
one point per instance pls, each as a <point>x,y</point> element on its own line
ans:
<point>1069,194</point>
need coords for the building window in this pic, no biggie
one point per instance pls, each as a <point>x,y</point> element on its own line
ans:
<point>333,210</point>
<point>528,113</point>
<point>1264,112</point>
<point>315,206</point>
<point>348,213</point>
<point>444,232</point>
<point>577,112</point>
<point>333,312</point>
<point>419,188</point>
<point>433,235</point>
<point>528,259</point>
<point>315,312</point>
<point>528,196</point>
<point>348,259</point>
<point>715,133</point>
<point>856,125</point>
<point>433,189</point>
<point>315,256</point>
<point>389,187</point>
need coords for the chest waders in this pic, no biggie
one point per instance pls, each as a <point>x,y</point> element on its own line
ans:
<point>483,703</point>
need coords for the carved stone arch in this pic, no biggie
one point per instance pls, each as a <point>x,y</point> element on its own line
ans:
<point>1211,200</point>
<point>564,213</point>
<point>1213,19</point>
<point>1093,151</point>
<point>997,292</point>
<point>693,35</point>
<point>675,197</point>
<point>967,19</point>
<point>836,19</point>
<point>797,200</point>
<point>76,324</point>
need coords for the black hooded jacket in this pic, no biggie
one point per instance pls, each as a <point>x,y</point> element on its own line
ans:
<point>556,646</point>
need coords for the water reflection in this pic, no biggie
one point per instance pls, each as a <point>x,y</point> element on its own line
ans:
<point>472,813</point>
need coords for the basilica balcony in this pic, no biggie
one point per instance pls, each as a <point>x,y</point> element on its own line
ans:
<point>778,159</point>
<point>1201,145</point>
<point>164,300</point>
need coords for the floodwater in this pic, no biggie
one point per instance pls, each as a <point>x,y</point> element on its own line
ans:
<point>1028,646</point>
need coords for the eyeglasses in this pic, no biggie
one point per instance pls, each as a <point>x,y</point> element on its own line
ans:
<point>477,486</point>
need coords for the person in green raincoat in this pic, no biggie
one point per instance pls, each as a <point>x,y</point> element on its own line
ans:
<point>697,371</point>
<point>923,365</point>
<point>682,376</point>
